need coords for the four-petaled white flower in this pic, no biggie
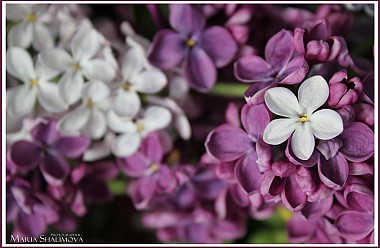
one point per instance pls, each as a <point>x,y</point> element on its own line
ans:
<point>81,63</point>
<point>36,85</point>
<point>324,124</point>
<point>132,132</point>
<point>88,118</point>
<point>137,76</point>
<point>31,26</point>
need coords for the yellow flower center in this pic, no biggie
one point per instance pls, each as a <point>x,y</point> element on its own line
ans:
<point>76,67</point>
<point>126,86</point>
<point>140,127</point>
<point>190,43</point>
<point>90,103</point>
<point>34,82</point>
<point>154,167</point>
<point>31,17</point>
<point>303,118</point>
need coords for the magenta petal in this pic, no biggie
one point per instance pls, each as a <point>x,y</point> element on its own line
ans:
<point>78,206</point>
<point>186,19</point>
<point>271,185</point>
<point>365,113</point>
<point>321,193</point>
<point>45,132</point>
<point>279,49</point>
<point>264,155</point>
<point>255,93</point>
<point>333,172</point>
<point>207,184</point>
<point>317,209</point>
<point>141,191</point>
<point>228,143</point>
<point>284,168</point>
<point>354,225</point>
<point>299,43</point>
<point>247,173</point>
<point>293,158</point>
<point>104,170</point>
<point>232,115</point>
<point>359,197</point>
<point>135,165</point>
<point>167,49</point>
<point>239,196</point>
<point>54,168</point>
<point>295,71</point>
<point>305,180</point>
<point>24,154</point>
<point>252,68</point>
<point>358,142</point>
<point>321,31</point>
<point>300,230</point>
<point>255,119</point>
<point>219,45</point>
<point>31,225</point>
<point>71,147</point>
<point>360,168</point>
<point>317,51</point>
<point>293,197</point>
<point>152,148</point>
<point>200,70</point>
<point>164,178</point>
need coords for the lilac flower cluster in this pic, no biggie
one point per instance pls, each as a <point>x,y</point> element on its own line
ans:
<point>92,103</point>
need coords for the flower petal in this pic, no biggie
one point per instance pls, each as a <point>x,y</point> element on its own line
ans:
<point>247,173</point>
<point>96,125</point>
<point>16,12</point>
<point>56,58</point>
<point>219,45</point>
<point>23,100</point>
<point>133,62</point>
<point>186,19</point>
<point>149,81</point>
<point>300,230</point>
<point>228,143</point>
<point>21,35</point>
<point>126,144</point>
<point>85,44</point>
<point>20,64</point>
<point>42,37</point>
<point>252,68</point>
<point>30,225</point>
<point>333,172</point>
<point>279,130</point>
<point>98,69</point>
<point>199,70</point>
<point>54,168</point>
<point>135,165</point>
<point>49,98</point>
<point>24,154</point>
<point>120,124</point>
<point>96,90</point>
<point>73,121</point>
<point>255,119</point>
<point>354,225</point>
<point>279,49</point>
<point>293,197</point>
<point>155,118</point>
<point>152,148</point>
<point>126,103</point>
<point>294,72</point>
<point>317,209</point>
<point>71,147</point>
<point>70,86</point>
<point>167,49</point>
<point>283,102</point>
<point>326,124</point>
<point>303,142</point>
<point>312,94</point>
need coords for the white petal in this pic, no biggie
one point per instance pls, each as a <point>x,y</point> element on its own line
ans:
<point>44,73</point>
<point>99,150</point>
<point>85,44</point>
<point>127,103</point>
<point>70,86</point>
<point>279,130</point>
<point>20,64</point>
<point>312,94</point>
<point>326,124</point>
<point>182,125</point>
<point>15,12</point>
<point>126,144</point>
<point>42,37</point>
<point>49,97</point>
<point>133,63</point>
<point>303,142</point>
<point>155,118</point>
<point>282,101</point>
<point>149,81</point>
<point>20,35</point>
<point>178,87</point>
<point>73,121</point>
<point>95,90</point>
<point>120,124</point>
<point>96,126</point>
<point>56,58</point>
<point>22,100</point>
<point>98,69</point>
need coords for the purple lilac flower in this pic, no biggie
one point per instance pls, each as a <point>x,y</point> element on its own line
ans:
<point>279,67</point>
<point>201,50</point>
<point>49,150</point>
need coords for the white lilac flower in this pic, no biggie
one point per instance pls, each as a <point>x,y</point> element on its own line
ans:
<point>99,149</point>
<point>88,118</point>
<point>81,63</point>
<point>31,26</point>
<point>301,119</point>
<point>35,85</point>
<point>132,132</point>
<point>137,77</point>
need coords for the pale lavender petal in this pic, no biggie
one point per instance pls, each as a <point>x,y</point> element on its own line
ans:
<point>219,45</point>
<point>228,143</point>
<point>167,49</point>
<point>360,168</point>
<point>279,49</point>
<point>253,68</point>
<point>200,70</point>
<point>186,19</point>
<point>247,173</point>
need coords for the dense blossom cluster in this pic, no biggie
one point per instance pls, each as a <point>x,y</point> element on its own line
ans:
<point>88,104</point>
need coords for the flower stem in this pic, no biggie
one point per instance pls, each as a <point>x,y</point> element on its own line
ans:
<point>229,89</point>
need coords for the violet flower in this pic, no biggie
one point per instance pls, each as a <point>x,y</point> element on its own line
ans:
<point>49,150</point>
<point>229,143</point>
<point>279,67</point>
<point>201,50</point>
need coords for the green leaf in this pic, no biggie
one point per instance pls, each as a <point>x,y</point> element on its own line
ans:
<point>117,187</point>
<point>229,89</point>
